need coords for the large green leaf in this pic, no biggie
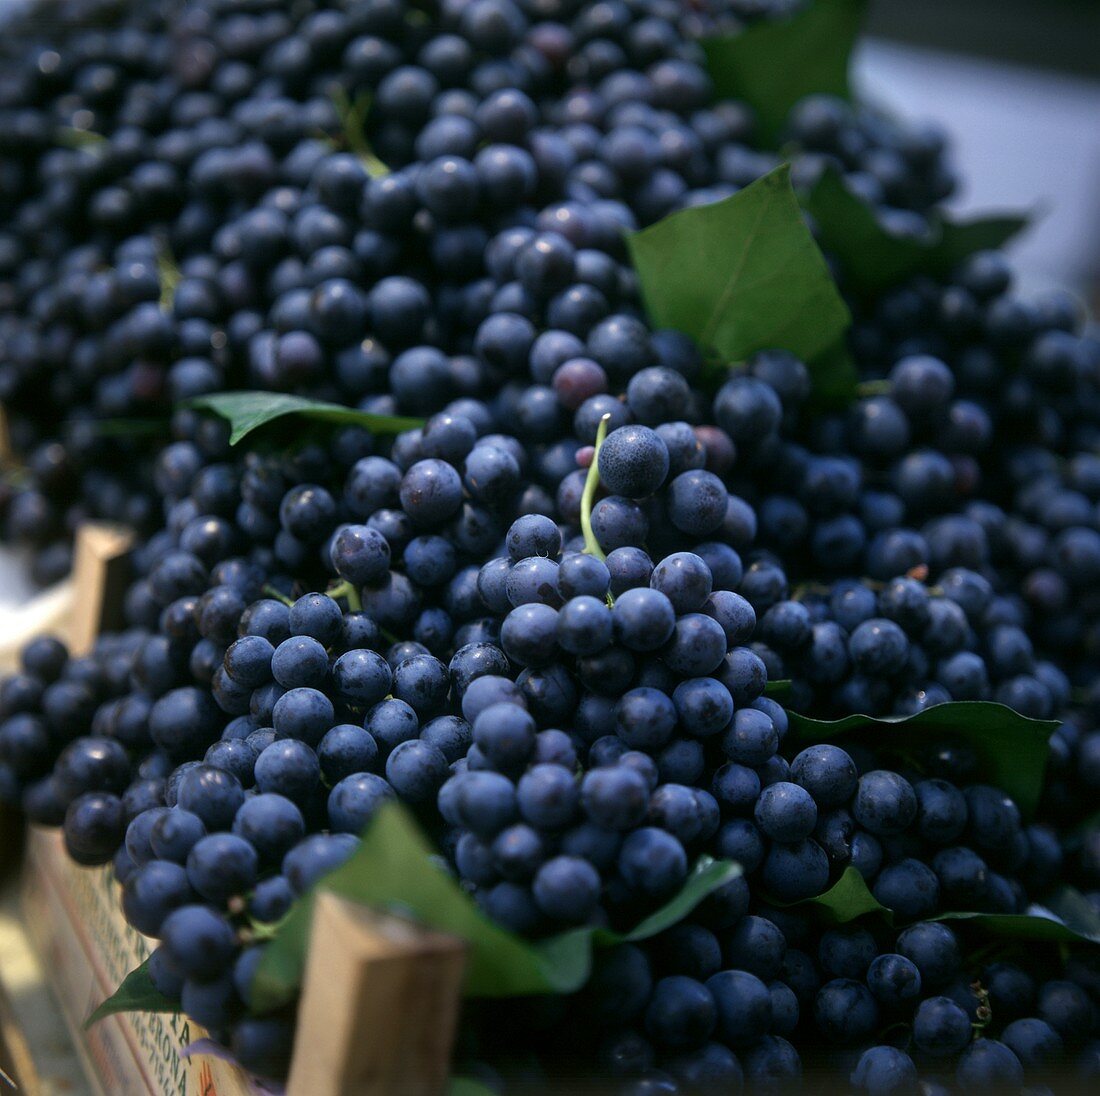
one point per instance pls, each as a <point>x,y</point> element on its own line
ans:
<point>960,237</point>
<point>467,1086</point>
<point>247,411</point>
<point>1066,917</point>
<point>1012,749</point>
<point>707,876</point>
<point>394,869</point>
<point>744,274</point>
<point>847,899</point>
<point>136,994</point>
<point>774,64</point>
<point>872,257</point>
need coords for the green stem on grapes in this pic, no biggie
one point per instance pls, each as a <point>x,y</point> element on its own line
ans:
<point>258,931</point>
<point>809,589</point>
<point>353,123</point>
<point>168,273</point>
<point>873,388</point>
<point>348,591</point>
<point>77,138</point>
<point>270,591</point>
<point>592,481</point>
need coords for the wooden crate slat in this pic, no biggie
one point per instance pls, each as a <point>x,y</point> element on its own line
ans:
<point>366,972</point>
<point>100,571</point>
<point>76,923</point>
<point>379,1007</point>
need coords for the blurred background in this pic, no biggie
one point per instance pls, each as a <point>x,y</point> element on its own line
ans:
<point>1017,85</point>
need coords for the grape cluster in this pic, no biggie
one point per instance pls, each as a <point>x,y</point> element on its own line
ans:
<point>708,1010</point>
<point>632,683</point>
<point>898,647</point>
<point>728,995</point>
<point>226,245</point>
<point>1017,383</point>
<point>545,619</point>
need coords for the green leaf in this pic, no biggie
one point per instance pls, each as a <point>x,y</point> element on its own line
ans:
<point>394,869</point>
<point>744,274</point>
<point>774,64</point>
<point>778,689</point>
<point>848,898</point>
<point>1066,917</point>
<point>706,877</point>
<point>1011,748</point>
<point>1076,911</point>
<point>467,1086</point>
<point>834,375</point>
<point>136,994</point>
<point>962,237</point>
<point>247,411</point>
<point>872,257</point>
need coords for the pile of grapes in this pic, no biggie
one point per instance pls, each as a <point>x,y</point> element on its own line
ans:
<point>580,598</point>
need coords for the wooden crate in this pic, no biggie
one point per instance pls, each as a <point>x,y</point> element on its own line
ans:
<point>72,914</point>
<point>376,974</point>
<point>16,1064</point>
<point>76,924</point>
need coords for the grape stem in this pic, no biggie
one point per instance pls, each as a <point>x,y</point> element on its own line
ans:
<point>270,591</point>
<point>168,273</point>
<point>75,137</point>
<point>353,122</point>
<point>348,591</point>
<point>880,387</point>
<point>591,545</point>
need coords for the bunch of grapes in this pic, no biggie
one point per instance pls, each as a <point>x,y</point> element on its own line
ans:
<point>544,620</point>
<point>177,221</point>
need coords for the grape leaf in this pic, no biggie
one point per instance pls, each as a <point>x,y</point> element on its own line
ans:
<point>247,411</point>
<point>1066,917</point>
<point>707,876</point>
<point>1012,749</point>
<point>774,64</point>
<point>744,274</point>
<point>778,689</point>
<point>136,994</point>
<point>1072,907</point>
<point>467,1086</point>
<point>394,869</point>
<point>847,899</point>
<point>872,257</point>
